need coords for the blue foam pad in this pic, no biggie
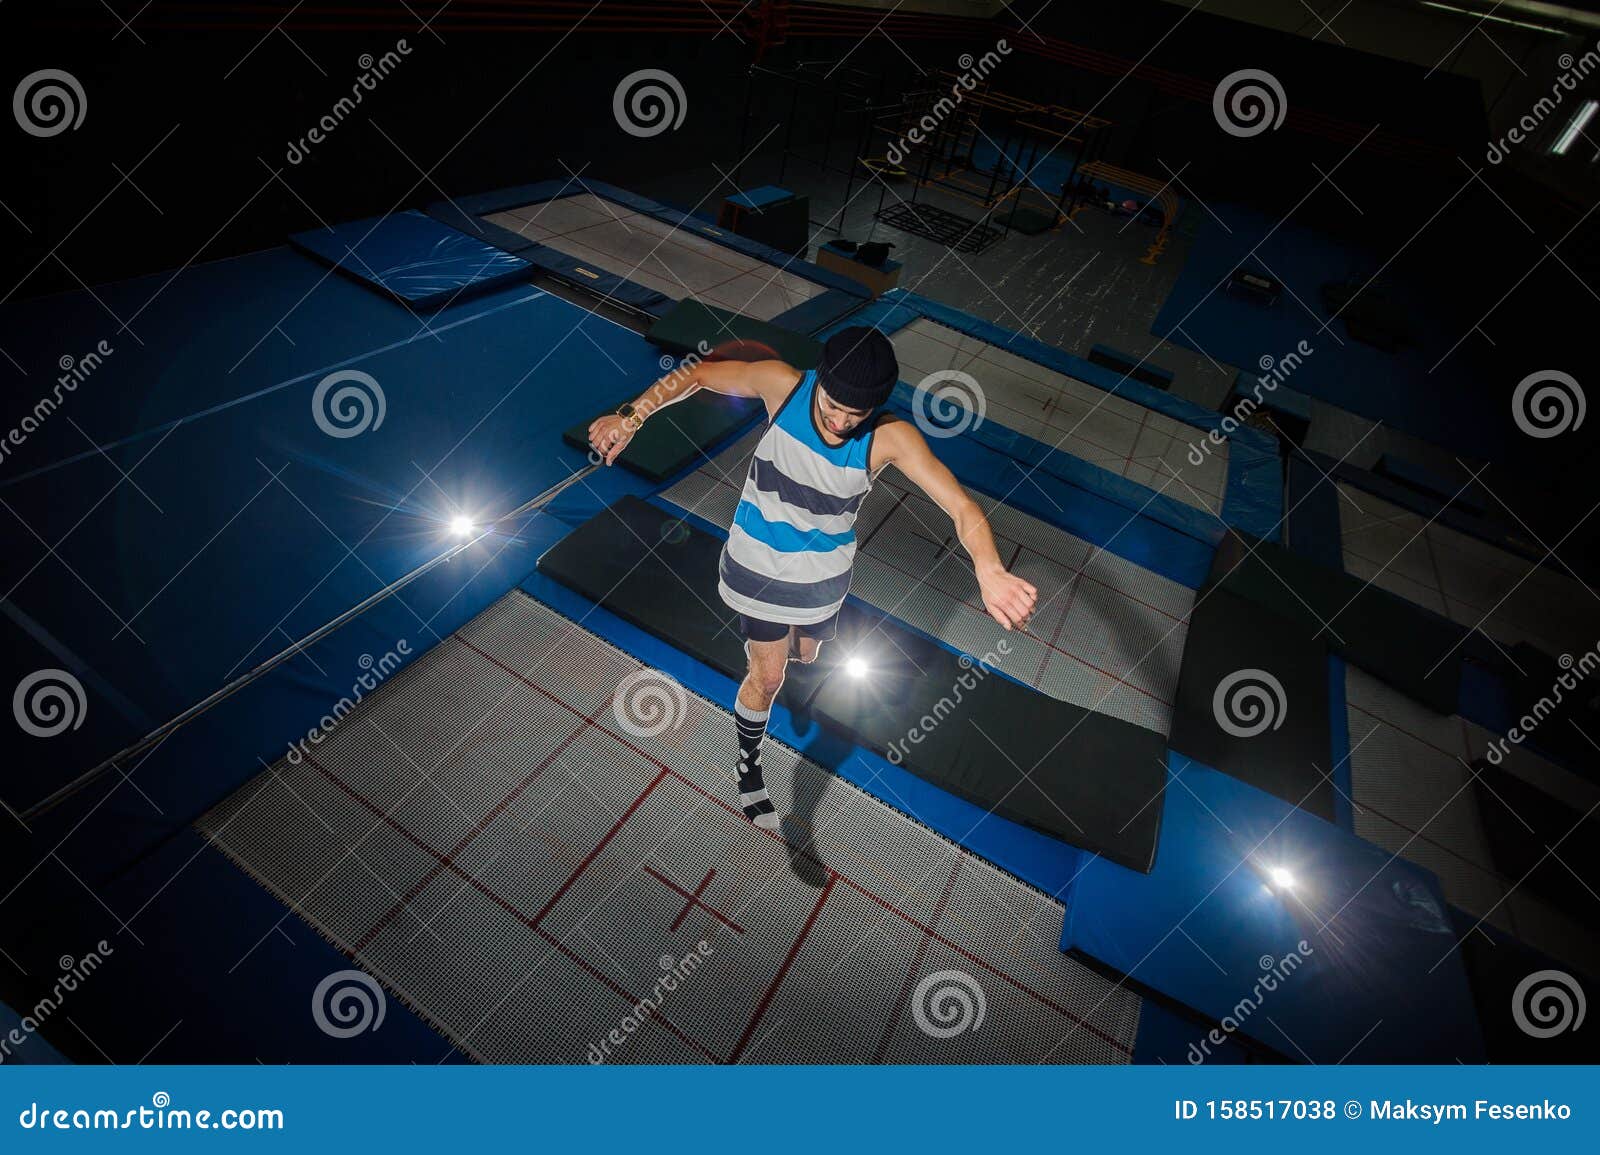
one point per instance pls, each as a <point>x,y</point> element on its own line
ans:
<point>756,198</point>
<point>1381,984</point>
<point>412,257</point>
<point>1119,358</point>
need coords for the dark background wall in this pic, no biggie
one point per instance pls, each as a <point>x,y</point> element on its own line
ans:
<point>191,109</point>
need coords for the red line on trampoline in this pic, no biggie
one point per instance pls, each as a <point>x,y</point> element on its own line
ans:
<point>694,899</point>
<point>794,951</point>
<point>996,971</point>
<point>664,771</point>
<point>927,930</point>
<point>655,1016</point>
<point>916,965</point>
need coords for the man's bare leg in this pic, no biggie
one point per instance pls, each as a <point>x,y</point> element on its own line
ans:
<point>804,649</point>
<point>762,681</point>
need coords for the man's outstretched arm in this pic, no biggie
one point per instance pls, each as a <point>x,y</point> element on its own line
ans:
<point>1009,599</point>
<point>610,434</point>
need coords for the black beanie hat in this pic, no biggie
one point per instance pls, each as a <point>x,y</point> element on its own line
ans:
<point>858,368</point>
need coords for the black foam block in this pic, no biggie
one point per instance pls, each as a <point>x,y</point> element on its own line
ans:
<point>679,435</point>
<point>1412,649</point>
<point>1088,779</point>
<point>1253,701</point>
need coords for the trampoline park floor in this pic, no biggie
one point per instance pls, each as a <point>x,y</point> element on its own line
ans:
<point>1105,430</point>
<point>1107,634</point>
<point>1507,598</point>
<point>498,836</point>
<point>1416,793</point>
<point>663,257</point>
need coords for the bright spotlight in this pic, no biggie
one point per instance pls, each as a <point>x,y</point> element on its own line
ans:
<point>1281,878</point>
<point>461,526</point>
<point>856,667</point>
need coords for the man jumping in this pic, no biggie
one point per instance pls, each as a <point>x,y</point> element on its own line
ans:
<point>786,565</point>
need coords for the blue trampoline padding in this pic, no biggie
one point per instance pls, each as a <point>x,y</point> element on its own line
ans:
<point>497,235</point>
<point>820,311</point>
<point>1312,528</point>
<point>1107,353</point>
<point>767,194</point>
<point>601,281</point>
<point>1281,399</point>
<point>1339,736</point>
<point>1384,965</point>
<point>484,204</point>
<point>412,257</point>
<point>1167,1037</point>
<point>1037,859</point>
<point>556,263</point>
<point>1254,498</point>
<point>1080,498</point>
<point>218,580</point>
<point>243,991</point>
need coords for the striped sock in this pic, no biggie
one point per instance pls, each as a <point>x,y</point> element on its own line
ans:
<point>752,726</point>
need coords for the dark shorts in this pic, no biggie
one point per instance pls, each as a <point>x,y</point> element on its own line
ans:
<point>757,630</point>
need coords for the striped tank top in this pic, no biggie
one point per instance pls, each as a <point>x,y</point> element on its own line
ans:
<point>793,540</point>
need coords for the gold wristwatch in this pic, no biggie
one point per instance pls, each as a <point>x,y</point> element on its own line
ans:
<point>630,417</point>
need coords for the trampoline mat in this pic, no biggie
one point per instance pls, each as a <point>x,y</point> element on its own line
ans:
<point>1508,598</point>
<point>1108,635</point>
<point>1099,427</point>
<point>1416,793</point>
<point>498,837</point>
<point>664,257</point>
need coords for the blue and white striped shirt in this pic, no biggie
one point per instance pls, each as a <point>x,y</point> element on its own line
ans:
<point>793,541</point>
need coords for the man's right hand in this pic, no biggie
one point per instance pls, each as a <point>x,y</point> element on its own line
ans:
<point>609,436</point>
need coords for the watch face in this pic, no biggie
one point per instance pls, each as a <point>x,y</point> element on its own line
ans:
<point>626,411</point>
